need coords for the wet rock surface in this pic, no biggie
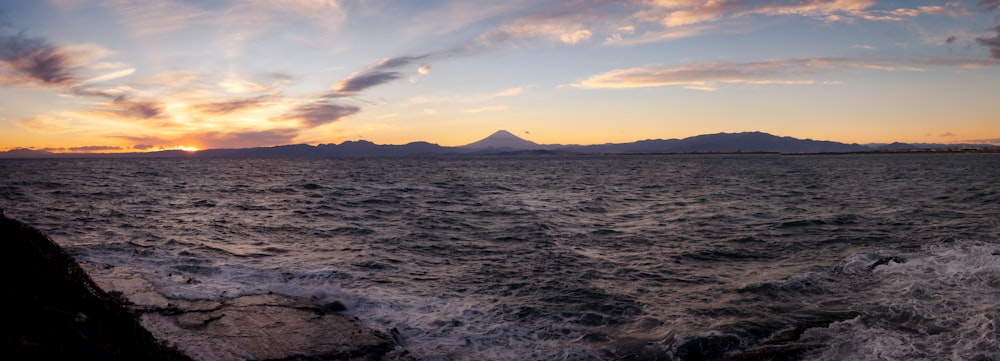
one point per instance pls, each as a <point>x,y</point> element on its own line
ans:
<point>65,310</point>
<point>260,327</point>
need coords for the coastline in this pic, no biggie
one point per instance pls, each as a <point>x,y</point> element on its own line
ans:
<point>56,310</point>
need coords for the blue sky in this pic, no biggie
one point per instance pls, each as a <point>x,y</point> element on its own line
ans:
<point>136,75</point>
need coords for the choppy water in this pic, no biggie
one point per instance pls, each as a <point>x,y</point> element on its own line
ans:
<point>575,258</point>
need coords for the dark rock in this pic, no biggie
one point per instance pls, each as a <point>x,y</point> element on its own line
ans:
<point>708,348</point>
<point>333,307</point>
<point>885,260</point>
<point>55,311</point>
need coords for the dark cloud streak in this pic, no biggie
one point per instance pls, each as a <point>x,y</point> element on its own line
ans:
<point>989,5</point>
<point>36,59</point>
<point>136,108</point>
<point>992,43</point>
<point>217,140</point>
<point>365,81</point>
<point>316,114</point>
<point>94,148</point>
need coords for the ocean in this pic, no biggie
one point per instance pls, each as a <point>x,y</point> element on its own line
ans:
<point>614,257</point>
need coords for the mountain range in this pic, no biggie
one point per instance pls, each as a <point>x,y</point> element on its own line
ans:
<point>504,142</point>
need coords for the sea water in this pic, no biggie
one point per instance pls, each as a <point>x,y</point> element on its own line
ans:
<point>863,257</point>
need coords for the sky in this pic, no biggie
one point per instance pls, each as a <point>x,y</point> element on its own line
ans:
<point>146,75</point>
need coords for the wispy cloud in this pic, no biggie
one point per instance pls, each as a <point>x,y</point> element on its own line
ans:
<point>564,32</point>
<point>155,17</point>
<point>111,75</point>
<point>39,123</point>
<point>491,108</point>
<point>328,13</point>
<point>467,98</point>
<point>181,78</point>
<point>454,15</point>
<point>235,105</point>
<point>657,21</point>
<point>704,76</point>
<point>511,92</point>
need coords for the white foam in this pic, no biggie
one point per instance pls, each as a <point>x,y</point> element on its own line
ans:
<point>942,304</point>
<point>464,327</point>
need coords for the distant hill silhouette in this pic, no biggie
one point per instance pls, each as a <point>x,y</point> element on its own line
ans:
<point>748,142</point>
<point>504,142</point>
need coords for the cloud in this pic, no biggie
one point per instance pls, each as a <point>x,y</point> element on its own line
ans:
<point>455,15</point>
<point>467,98</point>
<point>947,135</point>
<point>328,13</point>
<point>397,62</point>
<point>155,17</point>
<point>992,43</point>
<point>989,5</point>
<point>702,76</point>
<point>364,81</point>
<point>491,108</point>
<point>662,20</point>
<point>950,40</point>
<point>381,73</point>
<point>234,83</point>
<point>94,148</point>
<point>510,92</point>
<point>688,12</point>
<point>575,37</point>
<point>238,139</point>
<point>316,114</point>
<point>136,109</point>
<point>921,10</point>
<point>230,106</point>
<point>38,122</point>
<point>171,79</point>
<point>569,34</point>
<point>34,60</point>
<point>111,75</point>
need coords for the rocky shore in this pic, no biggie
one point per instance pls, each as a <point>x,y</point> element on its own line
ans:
<point>59,309</point>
